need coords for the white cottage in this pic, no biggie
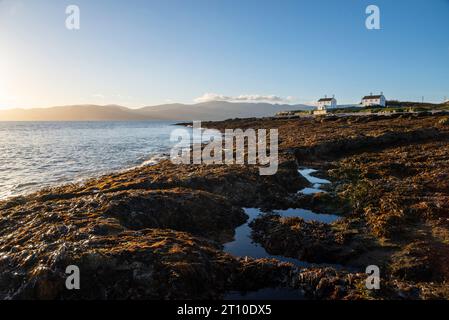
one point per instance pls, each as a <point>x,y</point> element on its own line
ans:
<point>374,100</point>
<point>323,104</point>
<point>326,102</point>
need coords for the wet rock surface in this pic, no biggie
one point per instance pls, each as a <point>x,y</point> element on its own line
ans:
<point>294,237</point>
<point>389,177</point>
<point>157,232</point>
<point>311,241</point>
<point>150,264</point>
<point>240,184</point>
<point>198,212</point>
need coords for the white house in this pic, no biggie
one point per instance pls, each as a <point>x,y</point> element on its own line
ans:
<point>374,100</point>
<point>323,104</point>
<point>326,102</point>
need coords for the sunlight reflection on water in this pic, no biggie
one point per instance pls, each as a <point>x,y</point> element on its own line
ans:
<point>34,155</point>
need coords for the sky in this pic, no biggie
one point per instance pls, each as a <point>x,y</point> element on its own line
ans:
<point>147,52</point>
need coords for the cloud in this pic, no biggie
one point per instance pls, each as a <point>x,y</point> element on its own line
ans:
<point>242,98</point>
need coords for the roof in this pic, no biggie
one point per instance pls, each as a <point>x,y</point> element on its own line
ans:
<point>325,99</point>
<point>372,97</point>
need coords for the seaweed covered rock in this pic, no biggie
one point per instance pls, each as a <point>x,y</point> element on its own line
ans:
<point>329,284</point>
<point>312,241</point>
<point>413,262</point>
<point>147,264</point>
<point>198,212</point>
<point>127,244</point>
<point>242,185</point>
<point>255,274</point>
<point>296,238</point>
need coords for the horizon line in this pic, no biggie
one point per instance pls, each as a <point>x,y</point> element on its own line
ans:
<point>310,104</point>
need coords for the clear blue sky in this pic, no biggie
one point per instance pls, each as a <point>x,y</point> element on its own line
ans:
<point>145,52</point>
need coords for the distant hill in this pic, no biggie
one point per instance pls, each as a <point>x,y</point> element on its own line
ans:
<point>70,113</point>
<point>214,110</point>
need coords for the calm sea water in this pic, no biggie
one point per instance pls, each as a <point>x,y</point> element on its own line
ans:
<point>34,155</point>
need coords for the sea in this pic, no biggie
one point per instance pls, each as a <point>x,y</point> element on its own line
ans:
<point>35,155</point>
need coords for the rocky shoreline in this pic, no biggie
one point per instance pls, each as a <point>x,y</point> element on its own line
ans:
<point>157,232</point>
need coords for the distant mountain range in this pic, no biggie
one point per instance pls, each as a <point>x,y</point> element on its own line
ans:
<point>214,110</point>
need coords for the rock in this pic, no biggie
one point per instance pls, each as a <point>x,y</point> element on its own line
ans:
<point>413,262</point>
<point>198,212</point>
<point>296,238</point>
<point>151,264</point>
<point>155,232</point>
<point>444,121</point>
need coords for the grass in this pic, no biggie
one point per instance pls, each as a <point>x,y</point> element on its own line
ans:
<point>395,106</point>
